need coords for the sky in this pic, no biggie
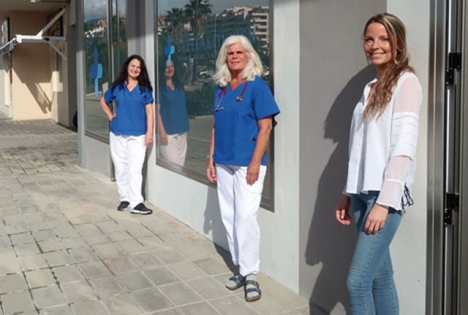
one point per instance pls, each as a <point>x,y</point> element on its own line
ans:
<point>97,9</point>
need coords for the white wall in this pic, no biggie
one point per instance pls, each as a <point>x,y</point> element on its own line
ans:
<point>333,72</point>
<point>280,245</point>
<point>409,246</point>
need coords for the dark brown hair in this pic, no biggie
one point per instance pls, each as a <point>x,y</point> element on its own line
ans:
<point>143,78</point>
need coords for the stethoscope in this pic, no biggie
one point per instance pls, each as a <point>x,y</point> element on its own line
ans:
<point>222,94</point>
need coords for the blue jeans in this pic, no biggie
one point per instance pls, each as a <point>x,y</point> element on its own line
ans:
<point>370,281</point>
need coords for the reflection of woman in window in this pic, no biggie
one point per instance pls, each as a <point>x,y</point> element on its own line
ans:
<point>243,110</point>
<point>173,122</point>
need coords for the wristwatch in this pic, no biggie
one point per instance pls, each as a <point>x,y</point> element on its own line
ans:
<point>209,156</point>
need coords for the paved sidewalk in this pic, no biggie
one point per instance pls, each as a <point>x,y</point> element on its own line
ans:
<point>65,249</point>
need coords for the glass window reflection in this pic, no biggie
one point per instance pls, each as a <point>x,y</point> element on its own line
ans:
<point>98,68</point>
<point>190,34</point>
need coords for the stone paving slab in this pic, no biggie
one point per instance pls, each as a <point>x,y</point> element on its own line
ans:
<point>64,249</point>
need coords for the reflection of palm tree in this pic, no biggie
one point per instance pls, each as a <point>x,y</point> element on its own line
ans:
<point>176,19</point>
<point>119,43</point>
<point>197,12</point>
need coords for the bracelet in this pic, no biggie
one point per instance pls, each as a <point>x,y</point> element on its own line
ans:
<point>209,156</point>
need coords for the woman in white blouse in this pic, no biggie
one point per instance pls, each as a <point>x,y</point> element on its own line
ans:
<point>382,152</point>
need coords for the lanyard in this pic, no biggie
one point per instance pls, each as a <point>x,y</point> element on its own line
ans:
<point>223,92</point>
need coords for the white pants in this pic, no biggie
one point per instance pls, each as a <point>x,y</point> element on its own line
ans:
<point>175,149</point>
<point>239,203</point>
<point>128,154</point>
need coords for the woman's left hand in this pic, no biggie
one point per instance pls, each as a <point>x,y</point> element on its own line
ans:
<point>376,219</point>
<point>148,138</point>
<point>253,172</point>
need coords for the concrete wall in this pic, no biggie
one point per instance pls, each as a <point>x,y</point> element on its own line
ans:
<point>95,155</point>
<point>409,246</point>
<point>333,72</point>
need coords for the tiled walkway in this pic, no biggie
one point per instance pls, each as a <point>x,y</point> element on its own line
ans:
<point>64,249</point>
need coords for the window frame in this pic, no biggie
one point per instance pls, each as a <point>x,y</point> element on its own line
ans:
<point>268,201</point>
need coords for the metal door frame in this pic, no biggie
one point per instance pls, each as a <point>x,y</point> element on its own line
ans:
<point>446,241</point>
<point>462,288</point>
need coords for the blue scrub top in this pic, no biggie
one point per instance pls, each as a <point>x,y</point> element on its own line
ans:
<point>174,110</point>
<point>236,127</point>
<point>130,109</point>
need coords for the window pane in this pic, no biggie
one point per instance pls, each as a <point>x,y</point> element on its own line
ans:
<point>98,74</point>
<point>119,34</point>
<point>96,65</point>
<point>190,33</point>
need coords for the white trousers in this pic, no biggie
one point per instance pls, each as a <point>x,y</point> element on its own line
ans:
<point>239,203</point>
<point>175,149</point>
<point>128,154</point>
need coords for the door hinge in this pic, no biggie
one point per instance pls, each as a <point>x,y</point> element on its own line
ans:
<point>451,204</point>
<point>454,63</point>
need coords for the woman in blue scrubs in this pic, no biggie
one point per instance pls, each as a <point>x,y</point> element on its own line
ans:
<point>243,110</point>
<point>131,130</point>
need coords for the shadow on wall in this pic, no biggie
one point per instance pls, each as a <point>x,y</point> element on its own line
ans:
<point>330,244</point>
<point>42,100</point>
<point>33,73</point>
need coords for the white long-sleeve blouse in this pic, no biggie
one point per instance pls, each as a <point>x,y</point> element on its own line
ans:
<point>382,149</point>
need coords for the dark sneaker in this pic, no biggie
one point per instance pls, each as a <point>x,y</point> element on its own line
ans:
<point>123,205</point>
<point>141,209</point>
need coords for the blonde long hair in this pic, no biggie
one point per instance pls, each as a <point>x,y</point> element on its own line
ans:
<point>253,67</point>
<point>393,69</point>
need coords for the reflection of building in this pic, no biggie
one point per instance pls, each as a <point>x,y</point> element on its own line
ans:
<point>97,28</point>
<point>252,22</point>
<point>260,25</point>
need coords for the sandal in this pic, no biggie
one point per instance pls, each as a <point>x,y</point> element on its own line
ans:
<point>235,282</point>
<point>252,286</point>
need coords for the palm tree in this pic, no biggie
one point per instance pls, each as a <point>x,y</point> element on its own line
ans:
<point>176,19</point>
<point>197,12</point>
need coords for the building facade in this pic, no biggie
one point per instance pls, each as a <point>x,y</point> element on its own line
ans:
<point>317,69</point>
<point>314,62</point>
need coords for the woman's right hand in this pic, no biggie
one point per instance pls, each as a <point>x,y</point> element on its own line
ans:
<point>163,138</point>
<point>211,170</point>
<point>342,210</point>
